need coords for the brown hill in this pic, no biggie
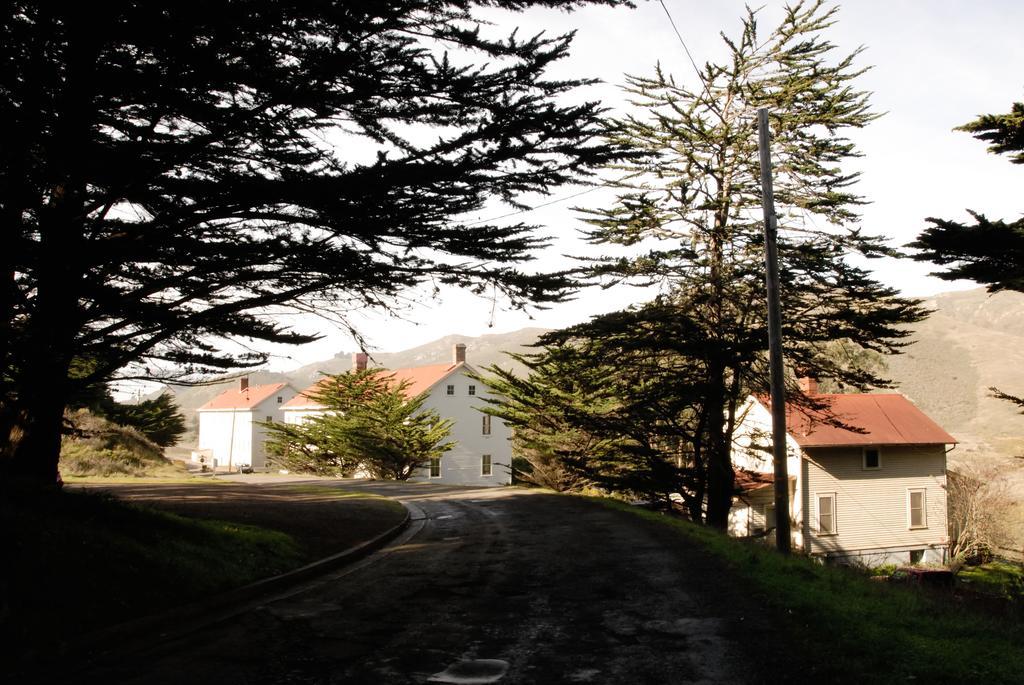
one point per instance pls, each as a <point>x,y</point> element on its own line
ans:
<point>973,341</point>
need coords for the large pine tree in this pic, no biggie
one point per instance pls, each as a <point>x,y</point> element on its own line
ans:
<point>170,171</point>
<point>691,215</point>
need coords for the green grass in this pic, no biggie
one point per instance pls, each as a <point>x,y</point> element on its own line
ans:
<point>836,625</point>
<point>995,579</point>
<point>78,561</point>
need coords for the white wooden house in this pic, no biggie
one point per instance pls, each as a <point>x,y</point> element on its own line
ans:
<point>482,454</point>
<point>230,432</point>
<point>871,491</point>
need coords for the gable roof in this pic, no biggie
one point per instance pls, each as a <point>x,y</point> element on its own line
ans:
<point>885,419</point>
<point>420,378</point>
<point>242,399</point>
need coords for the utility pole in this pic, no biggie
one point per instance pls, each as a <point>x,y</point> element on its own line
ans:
<point>771,261</point>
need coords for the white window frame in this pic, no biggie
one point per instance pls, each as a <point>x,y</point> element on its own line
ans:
<point>280,400</point>
<point>270,419</point>
<point>434,462</point>
<point>472,390</point>
<point>924,509</point>
<point>486,466</point>
<point>817,514</point>
<point>864,459</point>
<point>450,390</point>
<point>485,428</point>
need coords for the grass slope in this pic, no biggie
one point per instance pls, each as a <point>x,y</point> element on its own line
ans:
<point>81,561</point>
<point>835,625</point>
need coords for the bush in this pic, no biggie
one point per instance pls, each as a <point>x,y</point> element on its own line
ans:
<point>97,447</point>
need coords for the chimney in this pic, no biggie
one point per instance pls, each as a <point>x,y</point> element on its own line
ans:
<point>243,383</point>
<point>807,385</point>
<point>459,354</point>
<point>359,360</point>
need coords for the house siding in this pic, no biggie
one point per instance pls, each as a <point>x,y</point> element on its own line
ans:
<point>871,506</point>
<point>235,436</point>
<point>752,451</point>
<point>461,465</point>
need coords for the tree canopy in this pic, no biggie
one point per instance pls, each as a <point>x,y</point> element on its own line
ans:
<point>367,422</point>
<point>688,218</point>
<point>990,252</point>
<point>174,171</point>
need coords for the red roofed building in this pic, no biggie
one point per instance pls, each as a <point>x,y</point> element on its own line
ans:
<point>482,454</point>
<point>230,432</point>
<point>867,478</point>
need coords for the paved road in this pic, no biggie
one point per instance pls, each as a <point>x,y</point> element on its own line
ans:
<point>537,587</point>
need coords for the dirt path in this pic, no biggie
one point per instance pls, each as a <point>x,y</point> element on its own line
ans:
<point>498,585</point>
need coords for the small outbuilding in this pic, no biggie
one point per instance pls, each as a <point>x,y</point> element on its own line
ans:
<point>230,430</point>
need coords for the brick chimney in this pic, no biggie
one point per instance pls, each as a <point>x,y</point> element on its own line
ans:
<point>459,354</point>
<point>807,385</point>
<point>359,360</point>
<point>243,383</point>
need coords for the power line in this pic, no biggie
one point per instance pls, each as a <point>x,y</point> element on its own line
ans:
<point>682,42</point>
<point>535,207</point>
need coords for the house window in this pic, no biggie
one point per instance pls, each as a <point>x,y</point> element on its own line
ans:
<point>917,514</point>
<point>872,458</point>
<point>270,419</point>
<point>472,390</point>
<point>280,399</point>
<point>450,390</point>
<point>485,465</point>
<point>769,516</point>
<point>487,424</point>
<point>435,467</point>
<point>827,514</point>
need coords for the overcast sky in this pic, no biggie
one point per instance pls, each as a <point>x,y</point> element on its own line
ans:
<point>936,65</point>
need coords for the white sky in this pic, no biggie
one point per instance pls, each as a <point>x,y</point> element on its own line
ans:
<point>937,64</point>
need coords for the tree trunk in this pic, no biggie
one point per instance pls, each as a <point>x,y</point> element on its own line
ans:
<point>718,451</point>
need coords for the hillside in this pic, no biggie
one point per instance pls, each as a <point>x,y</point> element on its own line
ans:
<point>973,341</point>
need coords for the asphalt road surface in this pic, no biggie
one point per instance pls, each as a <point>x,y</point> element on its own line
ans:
<point>487,585</point>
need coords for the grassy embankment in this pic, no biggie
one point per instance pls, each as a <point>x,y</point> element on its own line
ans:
<point>80,561</point>
<point>835,625</point>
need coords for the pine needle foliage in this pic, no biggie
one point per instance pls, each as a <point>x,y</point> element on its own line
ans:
<point>367,423</point>
<point>173,174</point>
<point>688,218</point>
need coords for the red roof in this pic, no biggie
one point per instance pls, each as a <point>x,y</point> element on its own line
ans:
<point>420,378</point>
<point>889,419</point>
<point>748,481</point>
<point>243,399</point>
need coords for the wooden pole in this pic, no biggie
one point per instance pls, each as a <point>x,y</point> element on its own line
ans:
<point>778,389</point>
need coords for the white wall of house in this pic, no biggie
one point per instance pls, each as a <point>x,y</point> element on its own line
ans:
<point>462,465</point>
<point>752,442</point>
<point>295,416</point>
<point>872,506</point>
<point>227,434</point>
<point>235,436</point>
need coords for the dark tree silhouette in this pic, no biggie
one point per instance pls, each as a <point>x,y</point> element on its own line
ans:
<point>172,170</point>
